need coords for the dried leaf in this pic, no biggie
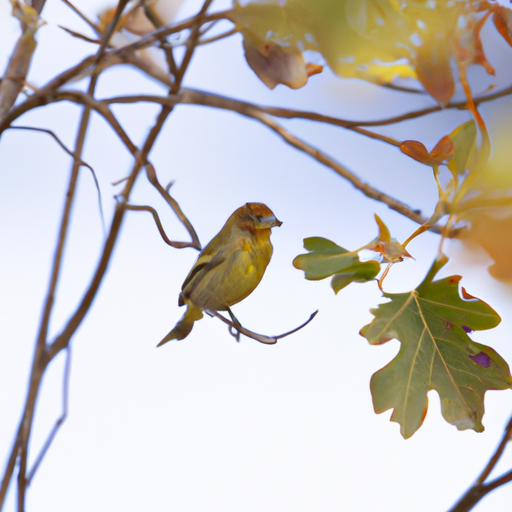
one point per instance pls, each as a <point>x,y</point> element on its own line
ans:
<point>419,152</point>
<point>502,19</point>
<point>434,71</point>
<point>391,250</point>
<point>443,149</point>
<point>275,65</point>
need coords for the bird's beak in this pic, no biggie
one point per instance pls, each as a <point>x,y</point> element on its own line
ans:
<point>271,221</point>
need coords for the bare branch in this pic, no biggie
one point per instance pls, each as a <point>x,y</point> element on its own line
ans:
<point>497,454</point>
<point>164,192</point>
<point>166,47</point>
<point>19,62</point>
<point>78,35</point>
<point>423,112</point>
<point>83,17</point>
<point>477,491</point>
<point>40,357</point>
<point>155,37</point>
<point>218,37</point>
<point>62,340</point>
<point>112,27</point>
<point>321,157</point>
<point>201,98</point>
<point>60,420</point>
<point>166,239</point>
<point>235,329</point>
<point>60,143</point>
<point>73,155</point>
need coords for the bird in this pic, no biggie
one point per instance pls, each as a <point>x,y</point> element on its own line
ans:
<point>229,268</point>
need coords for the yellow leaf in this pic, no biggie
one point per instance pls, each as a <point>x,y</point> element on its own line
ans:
<point>391,250</point>
<point>376,40</point>
<point>464,141</point>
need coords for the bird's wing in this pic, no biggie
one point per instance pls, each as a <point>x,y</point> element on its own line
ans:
<point>206,261</point>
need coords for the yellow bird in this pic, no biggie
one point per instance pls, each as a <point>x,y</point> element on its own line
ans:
<point>229,268</point>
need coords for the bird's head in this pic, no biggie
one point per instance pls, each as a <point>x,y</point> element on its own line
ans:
<point>258,216</point>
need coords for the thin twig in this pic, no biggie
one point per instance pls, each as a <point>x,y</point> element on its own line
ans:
<point>83,17</point>
<point>497,454</point>
<point>60,143</point>
<point>321,157</point>
<point>73,155</point>
<point>166,47</point>
<point>155,36</point>
<point>425,111</point>
<point>60,420</point>
<point>236,328</point>
<point>479,489</point>
<point>218,37</point>
<point>166,239</point>
<point>196,97</point>
<point>164,192</point>
<point>111,28</point>
<point>78,35</point>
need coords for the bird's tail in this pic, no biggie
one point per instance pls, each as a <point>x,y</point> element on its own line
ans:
<point>184,326</point>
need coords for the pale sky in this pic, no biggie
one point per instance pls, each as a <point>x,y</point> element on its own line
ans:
<point>206,424</point>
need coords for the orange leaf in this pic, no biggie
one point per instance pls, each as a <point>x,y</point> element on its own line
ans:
<point>493,234</point>
<point>434,70</point>
<point>503,21</point>
<point>419,152</point>
<point>443,149</point>
<point>275,64</point>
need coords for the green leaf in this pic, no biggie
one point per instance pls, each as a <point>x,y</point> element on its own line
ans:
<point>324,259</point>
<point>319,244</point>
<point>359,273</point>
<point>327,259</point>
<point>436,353</point>
<point>464,139</point>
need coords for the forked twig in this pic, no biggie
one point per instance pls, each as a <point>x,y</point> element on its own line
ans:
<point>158,222</point>
<point>479,489</point>
<point>164,192</point>
<point>235,329</point>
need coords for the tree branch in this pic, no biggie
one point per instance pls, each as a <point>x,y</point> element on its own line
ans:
<point>479,489</point>
<point>235,329</point>
<point>14,77</point>
<point>158,222</point>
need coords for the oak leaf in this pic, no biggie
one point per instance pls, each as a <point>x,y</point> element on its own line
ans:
<point>432,324</point>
